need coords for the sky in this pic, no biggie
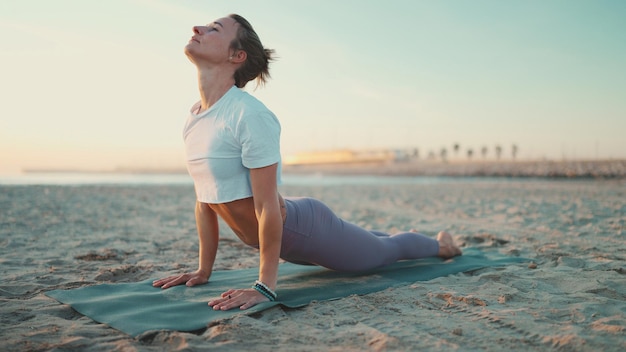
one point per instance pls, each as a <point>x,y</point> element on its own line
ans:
<point>99,85</point>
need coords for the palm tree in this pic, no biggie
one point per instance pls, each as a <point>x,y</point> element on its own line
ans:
<point>498,151</point>
<point>483,151</point>
<point>456,148</point>
<point>514,151</point>
<point>443,154</point>
<point>470,152</point>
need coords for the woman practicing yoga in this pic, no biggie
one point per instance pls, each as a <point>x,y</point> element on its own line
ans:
<point>232,145</point>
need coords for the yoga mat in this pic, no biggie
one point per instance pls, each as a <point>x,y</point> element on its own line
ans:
<point>135,308</point>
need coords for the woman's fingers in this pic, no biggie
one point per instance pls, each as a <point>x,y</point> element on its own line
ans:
<point>229,292</point>
<point>217,303</point>
<point>170,281</point>
<point>174,281</point>
<point>190,279</point>
<point>161,282</point>
<point>243,299</point>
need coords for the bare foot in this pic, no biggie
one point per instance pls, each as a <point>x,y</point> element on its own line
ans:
<point>447,247</point>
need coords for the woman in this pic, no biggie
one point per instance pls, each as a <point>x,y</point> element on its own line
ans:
<point>233,155</point>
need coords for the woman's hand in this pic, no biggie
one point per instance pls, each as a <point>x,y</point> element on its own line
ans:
<point>197,277</point>
<point>243,299</point>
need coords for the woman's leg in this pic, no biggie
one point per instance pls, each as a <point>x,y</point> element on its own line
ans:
<point>314,234</point>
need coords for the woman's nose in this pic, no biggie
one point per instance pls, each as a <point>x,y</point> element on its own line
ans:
<point>198,29</point>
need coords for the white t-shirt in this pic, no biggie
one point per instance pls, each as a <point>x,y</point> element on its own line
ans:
<point>223,143</point>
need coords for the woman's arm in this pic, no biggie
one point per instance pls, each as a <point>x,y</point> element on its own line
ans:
<point>208,237</point>
<point>270,228</point>
<point>267,208</point>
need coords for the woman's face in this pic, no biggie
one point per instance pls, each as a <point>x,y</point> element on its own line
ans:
<point>211,43</point>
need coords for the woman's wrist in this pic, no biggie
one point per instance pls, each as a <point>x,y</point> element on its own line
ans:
<point>265,290</point>
<point>203,272</point>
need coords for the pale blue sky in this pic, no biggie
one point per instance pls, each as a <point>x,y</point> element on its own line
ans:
<point>101,84</point>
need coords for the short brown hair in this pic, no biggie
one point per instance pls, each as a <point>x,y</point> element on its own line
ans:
<point>258,58</point>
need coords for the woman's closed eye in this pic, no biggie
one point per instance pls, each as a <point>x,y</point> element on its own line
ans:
<point>213,27</point>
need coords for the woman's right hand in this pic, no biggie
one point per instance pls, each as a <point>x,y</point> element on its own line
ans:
<point>197,277</point>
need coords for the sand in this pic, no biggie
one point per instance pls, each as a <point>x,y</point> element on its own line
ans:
<point>573,296</point>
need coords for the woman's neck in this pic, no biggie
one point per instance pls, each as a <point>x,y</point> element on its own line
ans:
<point>213,84</point>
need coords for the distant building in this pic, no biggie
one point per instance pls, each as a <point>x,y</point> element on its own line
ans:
<point>345,156</point>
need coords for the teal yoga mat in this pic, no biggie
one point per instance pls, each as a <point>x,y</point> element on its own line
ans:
<point>135,308</point>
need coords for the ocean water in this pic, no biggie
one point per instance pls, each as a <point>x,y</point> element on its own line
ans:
<point>57,178</point>
<point>70,178</point>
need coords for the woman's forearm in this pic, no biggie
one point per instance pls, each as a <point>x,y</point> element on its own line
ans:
<point>208,237</point>
<point>270,236</point>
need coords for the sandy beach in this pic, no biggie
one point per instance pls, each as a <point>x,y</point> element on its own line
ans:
<point>572,296</point>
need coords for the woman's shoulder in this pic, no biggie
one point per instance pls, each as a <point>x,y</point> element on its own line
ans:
<point>243,99</point>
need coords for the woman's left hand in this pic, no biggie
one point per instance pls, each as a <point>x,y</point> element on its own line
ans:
<point>243,299</point>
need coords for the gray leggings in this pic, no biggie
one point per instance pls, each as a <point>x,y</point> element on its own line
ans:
<point>314,235</point>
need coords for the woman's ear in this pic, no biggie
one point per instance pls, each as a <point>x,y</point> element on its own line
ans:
<point>238,57</point>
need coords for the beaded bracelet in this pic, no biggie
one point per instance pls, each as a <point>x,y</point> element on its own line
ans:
<point>264,290</point>
<point>266,294</point>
